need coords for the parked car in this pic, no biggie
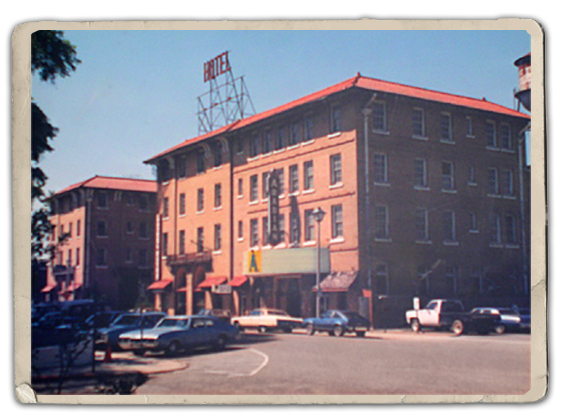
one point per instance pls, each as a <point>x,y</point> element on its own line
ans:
<point>264,319</point>
<point>512,319</point>
<point>222,314</point>
<point>338,322</point>
<point>109,337</point>
<point>103,319</point>
<point>450,314</point>
<point>175,334</point>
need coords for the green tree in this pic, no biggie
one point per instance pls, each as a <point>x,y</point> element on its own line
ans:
<point>52,56</point>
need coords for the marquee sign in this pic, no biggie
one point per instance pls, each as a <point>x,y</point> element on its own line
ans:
<point>216,66</point>
<point>274,231</point>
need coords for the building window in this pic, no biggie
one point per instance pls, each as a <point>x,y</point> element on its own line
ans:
<point>70,230</point>
<point>448,176</point>
<point>142,258</point>
<point>418,122</point>
<point>182,162</point>
<point>294,134</point>
<point>446,127</point>
<point>128,258</point>
<point>421,173</point>
<point>217,154</point>
<point>240,229</point>
<point>309,223</point>
<point>506,137</point>
<point>473,223</point>
<point>281,138</point>
<point>254,190</point>
<point>200,199</point>
<point>239,145</point>
<point>165,207</point>
<point>240,187</point>
<point>469,127</point>
<point>495,228</point>
<point>265,192</point>
<point>143,231</point>
<point>335,119</point>
<point>265,229</point>
<point>449,233</point>
<point>254,146</point>
<point>217,237</point>
<point>450,277</point>
<point>182,241</point>
<point>102,229</point>
<point>308,175</point>
<point>130,199</point>
<point>379,117</point>
<point>308,128</point>
<point>200,239</point>
<point>491,135</point>
<point>182,204</point>
<point>102,200</point>
<point>508,187</point>
<point>254,232</point>
<point>280,178</point>
<point>129,227</point>
<point>267,143</point>
<point>471,175</point>
<point>101,260</point>
<point>77,257</point>
<point>382,279</point>
<point>380,168</point>
<point>423,273</point>
<point>421,224</point>
<point>143,203</point>
<point>78,227</point>
<point>337,222</point>
<point>335,169</point>
<point>200,159</point>
<point>381,222</point>
<point>217,196</point>
<point>493,181</point>
<point>165,243</point>
<point>294,228</point>
<point>510,229</point>
<point>293,178</point>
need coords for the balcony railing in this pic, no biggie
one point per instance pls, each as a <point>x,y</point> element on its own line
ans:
<point>195,257</point>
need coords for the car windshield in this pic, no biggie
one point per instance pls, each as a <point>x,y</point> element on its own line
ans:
<point>173,322</point>
<point>352,315</point>
<point>255,313</point>
<point>127,320</point>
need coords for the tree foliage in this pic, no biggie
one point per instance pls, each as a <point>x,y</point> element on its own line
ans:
<point>52,56</point>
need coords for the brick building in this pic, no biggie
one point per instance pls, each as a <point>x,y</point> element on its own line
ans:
<point>107,252</point>
<point>420,191</point>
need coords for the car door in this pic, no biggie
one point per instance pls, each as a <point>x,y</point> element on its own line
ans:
<point>429,316</point>
<point>197,334</point>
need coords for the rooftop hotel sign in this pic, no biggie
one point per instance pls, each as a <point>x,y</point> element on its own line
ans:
<point>216,67</point>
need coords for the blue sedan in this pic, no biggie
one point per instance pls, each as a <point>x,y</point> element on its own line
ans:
<point>337,322</point>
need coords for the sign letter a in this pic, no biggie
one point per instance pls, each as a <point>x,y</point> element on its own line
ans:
<point>253,264</point>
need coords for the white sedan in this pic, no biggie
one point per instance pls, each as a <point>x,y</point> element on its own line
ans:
<point>267,319</point>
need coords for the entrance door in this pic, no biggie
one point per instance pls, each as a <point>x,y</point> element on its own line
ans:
<point>293,298</point>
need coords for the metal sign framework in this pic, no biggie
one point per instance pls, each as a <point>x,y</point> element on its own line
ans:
<point>226,102</point>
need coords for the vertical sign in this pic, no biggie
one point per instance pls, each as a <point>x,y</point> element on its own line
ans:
<point>157,248</point>
<point>274,231</point>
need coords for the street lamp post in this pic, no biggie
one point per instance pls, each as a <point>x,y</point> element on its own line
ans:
<point>318,216</point>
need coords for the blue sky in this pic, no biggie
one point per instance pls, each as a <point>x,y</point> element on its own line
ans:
<point>134,95</point>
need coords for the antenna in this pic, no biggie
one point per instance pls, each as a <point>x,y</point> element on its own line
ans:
<point>227,100</point>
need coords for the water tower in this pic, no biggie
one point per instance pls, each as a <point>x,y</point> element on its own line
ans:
<point>523,93</point>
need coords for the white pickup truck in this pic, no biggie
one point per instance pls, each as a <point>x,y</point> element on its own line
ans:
<point>450,314</point>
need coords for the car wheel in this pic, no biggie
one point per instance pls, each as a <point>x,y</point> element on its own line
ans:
<point>500,329</point>
<point>310,329</point>
<point>262,329</point>
<point>173,349</point>
<point>338,331</point>
<point>415,325</point>
<point>287,330</point>
<point>361,333</point>
<point>139,353</point>
<point>220,343</point>
<point>457,327</point>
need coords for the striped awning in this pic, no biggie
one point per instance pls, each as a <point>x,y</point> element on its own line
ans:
<point>160,284</point>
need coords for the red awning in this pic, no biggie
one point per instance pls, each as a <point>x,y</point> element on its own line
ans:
<point>48,288</point>
<point>338,282</point>
<point>238,281</point>
<point>73,287</point>
<point>212,281</point>
<point>160,285</point>
<point>182,289</point>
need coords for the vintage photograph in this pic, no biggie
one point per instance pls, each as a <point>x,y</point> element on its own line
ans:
<point>255,212</point>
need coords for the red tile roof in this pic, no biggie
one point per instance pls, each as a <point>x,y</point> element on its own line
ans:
<point>362,82</point>
<point>112,183</point>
